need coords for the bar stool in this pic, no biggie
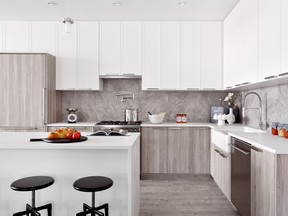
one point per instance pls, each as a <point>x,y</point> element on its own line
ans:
<point>93,184</point>
<point>33,183</point>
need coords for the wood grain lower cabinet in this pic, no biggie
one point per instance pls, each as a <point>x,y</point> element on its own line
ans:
<point>221,169</point>
<point>175,150</point>
<point>263,183</point>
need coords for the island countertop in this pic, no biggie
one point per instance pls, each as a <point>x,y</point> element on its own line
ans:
<point>21,140</point>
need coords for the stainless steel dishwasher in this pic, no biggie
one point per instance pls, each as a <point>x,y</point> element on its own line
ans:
<point>241,176</point>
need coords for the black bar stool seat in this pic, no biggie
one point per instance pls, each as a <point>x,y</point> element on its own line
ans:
<point>33,183</point>
<point>93,184</point>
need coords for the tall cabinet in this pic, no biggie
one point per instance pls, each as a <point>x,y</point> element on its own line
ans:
<point>28,92</point>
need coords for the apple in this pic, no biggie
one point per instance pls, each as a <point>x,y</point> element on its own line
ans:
<point>76,136</point>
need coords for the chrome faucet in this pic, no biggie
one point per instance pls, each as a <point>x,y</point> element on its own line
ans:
<point>261,125</point>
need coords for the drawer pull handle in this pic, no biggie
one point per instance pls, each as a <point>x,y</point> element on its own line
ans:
<point>240,150</point>
<point>270,77</point>
<point>256,149</point>
<point>192,88</point>
<point>283,74</point>
<point>229,87</point>
<point>246,83</point>
<point>152,88</point>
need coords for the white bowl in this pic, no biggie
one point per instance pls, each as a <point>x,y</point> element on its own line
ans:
<point>156,118</point>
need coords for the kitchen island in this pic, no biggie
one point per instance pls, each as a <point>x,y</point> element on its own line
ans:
<point>117,157</point>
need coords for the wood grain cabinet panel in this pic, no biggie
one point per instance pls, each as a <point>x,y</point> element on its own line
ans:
<point>154,150</point>
<point>175,150</point>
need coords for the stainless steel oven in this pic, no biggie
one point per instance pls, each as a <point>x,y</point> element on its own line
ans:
<point>130,127</point>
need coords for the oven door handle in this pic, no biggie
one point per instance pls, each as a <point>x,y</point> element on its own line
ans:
<point>240,150</point>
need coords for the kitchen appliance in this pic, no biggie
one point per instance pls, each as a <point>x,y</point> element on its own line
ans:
<point>131,115</point>
<point>241,176</point>
<point>72,117</point>
<point>130,127</point>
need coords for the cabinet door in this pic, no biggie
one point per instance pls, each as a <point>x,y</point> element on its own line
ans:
<point>88,57</point>
<point>225,173</point>
<point>269,38</point>
<point>131,47</point>
<point>151,55</point>
<point>13,41</point>
<point>43,37</point>
<point>211,55</point>
<point>263,183</point>
<point>24,77</point>
<point>178,150</point>
<point>110,48</point>
<point>66,76</point>
<point>1,37</point>
<point>199,143</point>
<point>240,44</point>
<point>171,55</point>
<point>154,150</point>
<point>284,36</point>
<point>190,55</point>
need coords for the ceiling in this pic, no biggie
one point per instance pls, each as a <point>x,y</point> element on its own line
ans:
<point>105,10</point>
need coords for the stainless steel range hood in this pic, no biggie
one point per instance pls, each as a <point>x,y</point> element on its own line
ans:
<point>120,76</point>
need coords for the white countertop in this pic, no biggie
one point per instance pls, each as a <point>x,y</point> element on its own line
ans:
<point>66,124</point>
<point>21,140</point>
<point>174,124</point>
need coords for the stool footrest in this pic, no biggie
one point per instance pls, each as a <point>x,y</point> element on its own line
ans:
<point>96,210</point>
<point>35,211</point>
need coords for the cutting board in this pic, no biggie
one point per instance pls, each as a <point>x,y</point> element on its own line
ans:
<point>82,138</point>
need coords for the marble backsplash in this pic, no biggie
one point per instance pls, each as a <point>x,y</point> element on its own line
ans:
<point>104,105</point>
<point>275,104</point>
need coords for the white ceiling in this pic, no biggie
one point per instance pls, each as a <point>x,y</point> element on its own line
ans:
<point>104,10</point>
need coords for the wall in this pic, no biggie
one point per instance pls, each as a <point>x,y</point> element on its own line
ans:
<point>275,103</point>
<point>104,105</point>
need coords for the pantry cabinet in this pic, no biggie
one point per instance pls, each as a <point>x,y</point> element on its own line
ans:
<point>17,37</point>
<point>269,38</point>
<point>43,37</point>
<point>175,150</point>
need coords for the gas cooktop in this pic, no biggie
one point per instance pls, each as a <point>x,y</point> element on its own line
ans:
<point>118,123</point>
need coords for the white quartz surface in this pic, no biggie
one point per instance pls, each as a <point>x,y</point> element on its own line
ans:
<point>174,124</point>
<point>21,140</point>
<point>78,124</point>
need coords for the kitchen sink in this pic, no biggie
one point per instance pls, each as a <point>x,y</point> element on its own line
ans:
<point>220,137</point>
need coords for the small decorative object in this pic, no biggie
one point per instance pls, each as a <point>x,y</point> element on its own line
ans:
<point>184,118</point>
<point>274,129</point>
<point>230,101</point>
<point>220,118</point>
<point>230,117</point>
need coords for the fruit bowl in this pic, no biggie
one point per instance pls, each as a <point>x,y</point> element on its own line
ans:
<point>157,118</point>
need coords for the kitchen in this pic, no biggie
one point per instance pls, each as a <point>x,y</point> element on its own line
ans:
<point>182,60</point>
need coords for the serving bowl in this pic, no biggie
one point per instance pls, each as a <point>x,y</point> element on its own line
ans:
<point>156,118</point>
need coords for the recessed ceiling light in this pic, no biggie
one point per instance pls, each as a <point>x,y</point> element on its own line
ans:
<point>52,3</point>
<point>182,3</point>
<point>116,3</point>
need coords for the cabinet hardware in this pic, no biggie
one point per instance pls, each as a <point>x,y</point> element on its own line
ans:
<point>228,87</point>
<point>69,89</point>
<point>256,149</point>
<point>246,83</point>
<point>84,89</point>
<point>270,77</point>
<point>43,106</point>
<point>223,155</point>
<point>192,88</point>
<point>128,74</point>
<point>169,88</point>
<point>283,74</point>
<point>238,84</point>
<point>216,150</point>
<point>209,88</point>
<point>203,128</point>
<point>152,88</point>
<point>240,150</point>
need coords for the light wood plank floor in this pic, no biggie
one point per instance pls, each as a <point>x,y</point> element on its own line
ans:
<point>183,196</point>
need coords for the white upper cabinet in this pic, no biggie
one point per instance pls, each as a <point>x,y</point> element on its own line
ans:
<point>211,55</point>
<point>1,37</point>
<point>151,55</point>
<point>171,55</point>
<point>43,37</point>
<point>88,56</point>
<point>240,44</point>
<point>110,38</point>
<point>131,47</point>
<point>269,54</point>
<point>190,55</point>
<point>284,36</point>
<point>66,67</point>
<point>17,38</point>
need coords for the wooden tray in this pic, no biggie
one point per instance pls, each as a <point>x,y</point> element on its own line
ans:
<point>82,138</point>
